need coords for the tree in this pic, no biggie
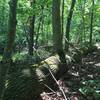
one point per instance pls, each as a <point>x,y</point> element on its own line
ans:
<point>11,29</point>
<point>69,22</point>
<point>91,23</point>
<point>57,35</point>
<point>56,23</point>
<point>62,17</point>
<point>31,30</point>
<point>83,18</point>
<point>9,47</point>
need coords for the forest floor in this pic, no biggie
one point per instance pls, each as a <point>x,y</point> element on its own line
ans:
<point>83,82</point>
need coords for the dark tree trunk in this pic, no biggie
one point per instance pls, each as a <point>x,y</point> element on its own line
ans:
<point>9,47</point>
<point>69,18</point>
<point>57,35</point>
<point>42,25</point>
<point>37,34</point>
<point>31,35</point>
<point>31,31</point>
<point>11,29</point>
<point>91,24</point>
<point>63,17</point>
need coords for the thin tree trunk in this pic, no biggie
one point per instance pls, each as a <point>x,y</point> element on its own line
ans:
<point>42,25</point>
<point>9,48</point>
<point>91,24</point>
<point>57,35</point>
<point>31,35</point>
<point>69,18</point>
<point>82,5</point>
<point>84,21</point>
<point>37,35</point>
<point>11,30</point>
<point>31,32</point>
<point>63,17</point>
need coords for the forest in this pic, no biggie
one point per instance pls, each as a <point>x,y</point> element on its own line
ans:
<point>49,49</point>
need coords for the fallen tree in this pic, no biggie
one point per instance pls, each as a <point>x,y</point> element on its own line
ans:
<point>28,81</point>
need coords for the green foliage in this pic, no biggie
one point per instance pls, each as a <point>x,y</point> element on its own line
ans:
<point>43,16</point>
<point>40,54</point>
<point>91,88</point>
<point>0,58</point>
<point>19,56</point>
<point>18,84</point>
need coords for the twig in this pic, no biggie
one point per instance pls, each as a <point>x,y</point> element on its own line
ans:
<point>60,88</point>
<point>50,88</point>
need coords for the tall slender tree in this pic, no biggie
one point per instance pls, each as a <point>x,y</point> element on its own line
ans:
<point>62,16</point>
<point>31,29</point>
<point>69,18</point>
<point>83,19</point>
<point>11,29</point>
<point>91,23</point>
<point>57,35</point>
<point>9,47</point>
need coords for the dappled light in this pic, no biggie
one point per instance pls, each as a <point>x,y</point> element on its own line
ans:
<point>97,64</point>
<point>49,50</point>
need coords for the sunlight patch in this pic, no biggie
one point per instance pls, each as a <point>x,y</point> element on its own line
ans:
<point>26,72</point>
<point>98,64</point>
<point>98,45</point>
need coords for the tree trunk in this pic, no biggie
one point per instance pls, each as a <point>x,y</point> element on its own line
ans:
<point>31,31</point>
<point>63,17</point>
<point>9,48</point>
<point>31,35</point>
<point>37,34</point>
<point>69,22</point>
<point>11,30</point>
<point>91,24</point>
<point>42,25</point>
<point>56,21</point>
<point>84,22</point>
<point>82,6</point>
<point>57,35</point>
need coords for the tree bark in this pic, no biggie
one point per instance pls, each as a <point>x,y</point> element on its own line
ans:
<point>91,23</point>
<point>31,31</point>
<point>63,17</point>
<point>11,29</point>
<point>57,34</point>
<point>9,47</point>
<point>37,33</point>
<point>69,18</point>
<point>56,23</point>
<point>84,21</point>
